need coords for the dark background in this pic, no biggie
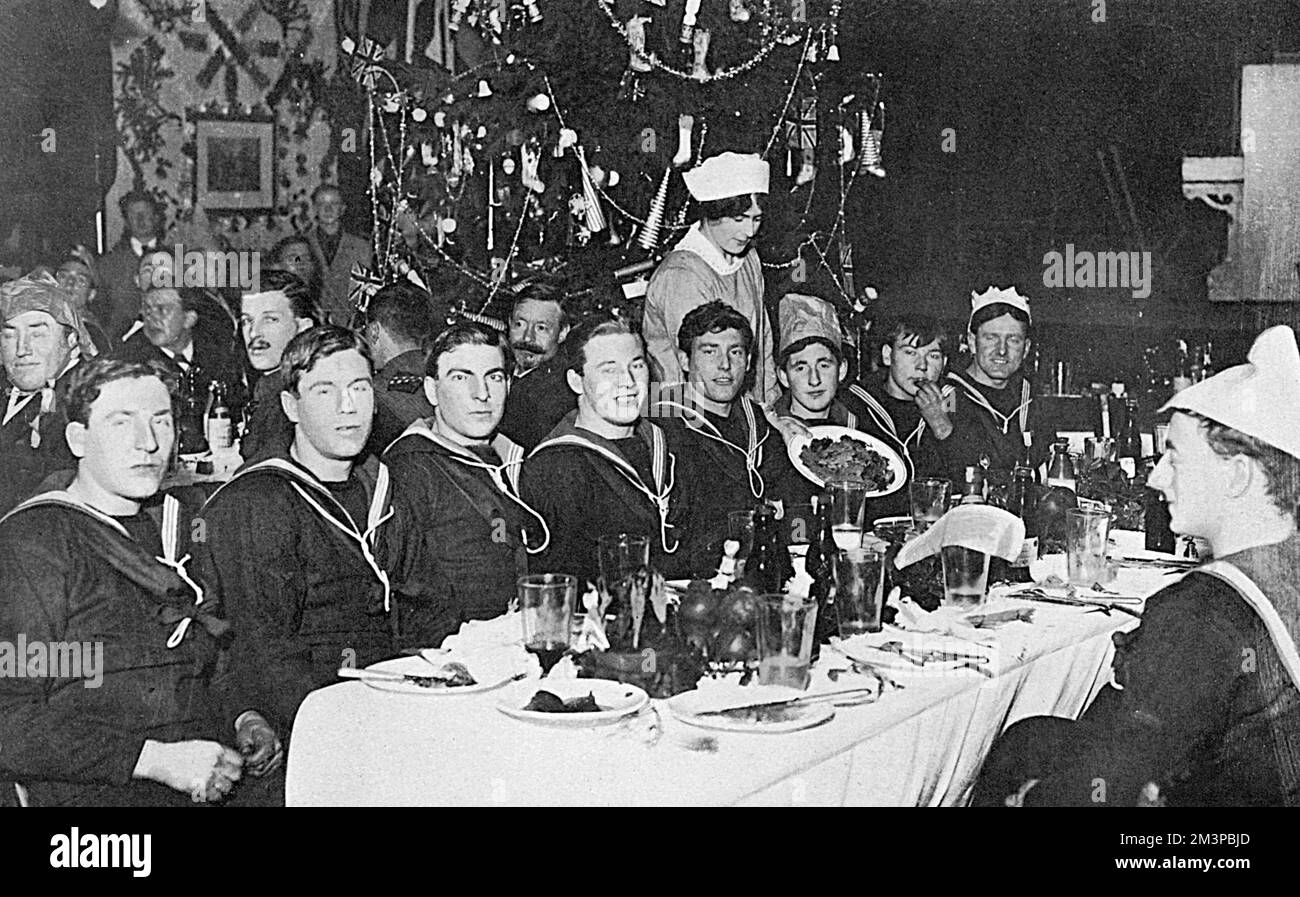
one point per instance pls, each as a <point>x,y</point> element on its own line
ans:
<point>1034,89</point>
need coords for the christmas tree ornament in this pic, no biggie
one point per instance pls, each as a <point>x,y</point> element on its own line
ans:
<point>846,267</point>
<point>448,226</point>
<point>648,239</point>
<point>811,54</point>
<point>539,103</point>
<point>534,11</point>
<point>529,158</point>
<point>393,103</point>
<point>685,124</point>
<point>595,217</point>
<point>637,61</point>
<point>700,70</point>
<point>872,135</point>
<point>847,153</point>
<point>419,114</point>
<point>508,166</point>
<point>807,167</point>
<point>739,11</point>
<point>612,178</point>
<point>484,90</point>
<point>689,17</point>
<point>363,63</point>
<point>481,132</point>
<point>458,10</point>
<point>440,119</point>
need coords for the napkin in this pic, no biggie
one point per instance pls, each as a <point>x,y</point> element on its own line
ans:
<point>492,650</point>
<point>978,527</point>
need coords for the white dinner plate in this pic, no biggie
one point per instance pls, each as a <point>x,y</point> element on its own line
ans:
<point>418,666</point>
<point>616,699</point>
<point>687,706</point>
<point>832,432</point>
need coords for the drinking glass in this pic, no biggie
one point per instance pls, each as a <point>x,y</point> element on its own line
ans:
<point>1099,448</point>
<point>965,577</point>
<point>785,639</point>
<point>848,502</point>
<point>624,561</point>
<point>1086,532</point>
<point>859,590</point>
<point>546,603</point>
<point>929,501</point>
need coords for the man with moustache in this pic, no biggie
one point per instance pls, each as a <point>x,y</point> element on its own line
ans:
<point>104,562</point>
<point>715,262</point>
<point>604,469</point>
<point>992,397</point>
<point>729,457</point>
<point>456,500</point>
<point>292,538</point>
<point>539,396</point>
<point>39,342</point>
<point>1209,711</point>
<point>269,318</point>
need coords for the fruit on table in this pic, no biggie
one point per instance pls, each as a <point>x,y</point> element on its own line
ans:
<point>735,645</point>
<point>698,606</point>
<point>739,608</point>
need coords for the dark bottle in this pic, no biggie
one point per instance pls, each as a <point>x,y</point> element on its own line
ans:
<point>1023,502</point>
<point>1159,537</point>
<point>822,590</point>
<point>814,559</point>
<point>191,438</point>
<point>1129,442</point>
<point>763,569</point>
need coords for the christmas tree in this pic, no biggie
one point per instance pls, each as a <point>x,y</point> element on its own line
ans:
<point>554,138</point>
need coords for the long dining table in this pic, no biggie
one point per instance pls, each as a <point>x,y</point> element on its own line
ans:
<point>921,744</point>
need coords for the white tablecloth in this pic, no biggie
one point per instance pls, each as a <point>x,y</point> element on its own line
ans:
<point>922,745</point>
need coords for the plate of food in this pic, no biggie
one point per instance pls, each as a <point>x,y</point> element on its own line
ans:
<point>754,709</point>
<point>838,453</point>
<point>573,703</point>
<point>440,676</point>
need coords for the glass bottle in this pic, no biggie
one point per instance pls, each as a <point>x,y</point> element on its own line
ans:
<point>1060,467</point>
<point>973,487</point>
<point>1129,443</point>
<point>219,426</point>
<point>822,590</point>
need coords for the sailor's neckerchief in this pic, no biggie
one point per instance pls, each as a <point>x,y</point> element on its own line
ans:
<point>846,418</point>
<point>47,394</point>
<point>1002,420</point>
<point>171,538</point>
<point>885,421</point>
<point>753,451</point>
<point>307,485</point>
<point>505,476</point>
<point>663,464</point>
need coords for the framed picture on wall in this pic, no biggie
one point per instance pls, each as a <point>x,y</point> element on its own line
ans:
<point>234,164</point>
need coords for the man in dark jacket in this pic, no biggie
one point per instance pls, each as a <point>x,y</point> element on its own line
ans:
<point>605,469</point>
<point>539,395</point>
<point>729,458</point>
<point>456,504</point>
<point>291,540</point>
<point>40,346</point>
<point>1209,713</point>
<point>89,575</point>
<point>397,326</point>
<point>992,405</point>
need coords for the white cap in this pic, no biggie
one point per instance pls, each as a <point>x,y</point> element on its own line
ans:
<point>1009,296</point>
<point>1260,398</point>
<point>727,175</point>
